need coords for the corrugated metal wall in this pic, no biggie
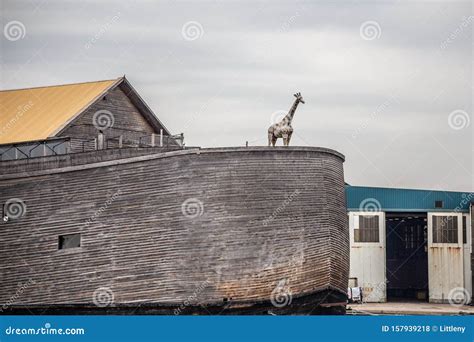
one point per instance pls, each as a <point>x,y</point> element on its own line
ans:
<point>407,199</point>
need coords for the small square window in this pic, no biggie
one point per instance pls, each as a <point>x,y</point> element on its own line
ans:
<point>445,229</point>
<point>368,229</point>
<point>69,241</point>
<point>438,204</point>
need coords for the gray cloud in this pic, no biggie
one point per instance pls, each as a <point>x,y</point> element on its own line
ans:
<point>384,103</point>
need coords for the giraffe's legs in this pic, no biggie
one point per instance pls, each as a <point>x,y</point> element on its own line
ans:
<point>289,138</point>
<point>274,140</point>
<point>286,139</point>
<point>270,139</point>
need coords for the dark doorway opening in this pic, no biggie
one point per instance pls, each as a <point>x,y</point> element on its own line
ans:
<point>407,256</point>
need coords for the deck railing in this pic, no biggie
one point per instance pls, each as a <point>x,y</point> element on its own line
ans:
<point>34,149</point>
<point>58,146</point>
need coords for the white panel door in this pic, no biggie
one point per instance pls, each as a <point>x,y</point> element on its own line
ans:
<point>445,257</point>
<point>367,259</point>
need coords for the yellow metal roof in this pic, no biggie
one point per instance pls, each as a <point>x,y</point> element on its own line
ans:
<point>39,113</point>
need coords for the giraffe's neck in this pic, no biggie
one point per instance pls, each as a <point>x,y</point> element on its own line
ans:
<point>289,116</point>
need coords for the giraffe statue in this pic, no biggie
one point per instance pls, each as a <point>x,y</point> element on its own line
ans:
<point>283,128</point>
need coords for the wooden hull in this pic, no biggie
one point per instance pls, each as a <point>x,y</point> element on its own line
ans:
<point>326,302</point>
<point>244,229</point>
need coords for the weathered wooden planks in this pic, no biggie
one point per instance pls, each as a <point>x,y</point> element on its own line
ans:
<point>123,118</point>
<point>248,237</point>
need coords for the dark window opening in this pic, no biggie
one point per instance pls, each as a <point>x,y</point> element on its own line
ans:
<point>368,229</point>
<point>69,241</point>
<point>445,229</point>
<point>438,204</point>
<point>464,227</point>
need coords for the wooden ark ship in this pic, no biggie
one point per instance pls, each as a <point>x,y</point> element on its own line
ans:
<point>104,211</point>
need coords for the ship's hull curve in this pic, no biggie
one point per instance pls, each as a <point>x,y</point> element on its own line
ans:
<point>233,228</point>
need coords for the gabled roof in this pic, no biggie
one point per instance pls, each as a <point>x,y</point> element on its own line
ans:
<point>40,113</point>
<point>36,113</point>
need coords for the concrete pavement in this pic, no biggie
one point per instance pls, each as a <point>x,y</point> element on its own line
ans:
<point>408,308</point>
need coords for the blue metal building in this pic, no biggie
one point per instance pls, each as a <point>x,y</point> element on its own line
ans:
<point>407,200</point>
<point>411,244</point>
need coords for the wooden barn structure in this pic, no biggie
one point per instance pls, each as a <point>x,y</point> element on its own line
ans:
<point>78,117</point>
<point>103,210</point>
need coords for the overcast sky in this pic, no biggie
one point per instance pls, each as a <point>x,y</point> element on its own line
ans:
<point>388,84</point>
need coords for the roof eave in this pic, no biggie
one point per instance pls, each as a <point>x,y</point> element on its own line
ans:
<point>145,110</point>
<point>134,97</point>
